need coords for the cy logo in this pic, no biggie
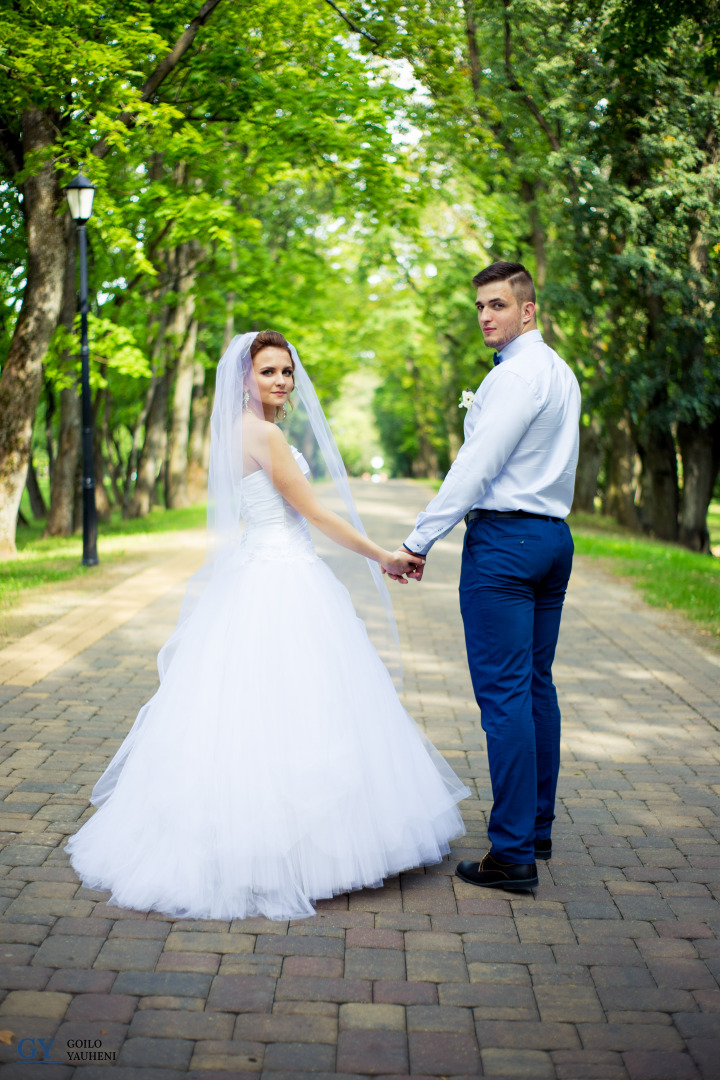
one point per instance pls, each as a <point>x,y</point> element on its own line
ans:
<point>37,1050</point>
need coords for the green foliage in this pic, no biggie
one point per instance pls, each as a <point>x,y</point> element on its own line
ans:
<point>667,576</point>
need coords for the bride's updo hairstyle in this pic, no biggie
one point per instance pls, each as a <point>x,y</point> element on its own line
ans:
<point>264,340</point>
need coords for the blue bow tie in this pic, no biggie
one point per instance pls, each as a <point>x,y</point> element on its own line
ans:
<point>496,359</point>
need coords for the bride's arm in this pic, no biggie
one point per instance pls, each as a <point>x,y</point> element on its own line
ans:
<point>274,455</point>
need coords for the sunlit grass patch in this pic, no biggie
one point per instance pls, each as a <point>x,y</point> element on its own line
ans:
<point>44,561</point>
<point>666,575</point>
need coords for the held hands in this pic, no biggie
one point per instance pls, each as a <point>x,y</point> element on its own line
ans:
<point>400,563</point>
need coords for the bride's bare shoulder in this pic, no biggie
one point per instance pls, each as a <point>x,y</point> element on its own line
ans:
<point>259,437</point>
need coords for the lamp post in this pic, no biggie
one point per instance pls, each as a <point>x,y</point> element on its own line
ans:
<point>80,193</point>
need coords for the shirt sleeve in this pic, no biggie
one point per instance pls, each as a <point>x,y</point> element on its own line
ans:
<point>507,410</point>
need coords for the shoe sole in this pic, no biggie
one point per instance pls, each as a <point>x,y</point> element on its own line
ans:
<point>544,855</point>
<point>509,886</point>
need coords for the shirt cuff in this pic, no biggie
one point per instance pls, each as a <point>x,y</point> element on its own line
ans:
<point>413,545</point>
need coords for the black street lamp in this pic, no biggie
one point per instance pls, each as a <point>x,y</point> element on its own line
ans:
<point>80,193</point>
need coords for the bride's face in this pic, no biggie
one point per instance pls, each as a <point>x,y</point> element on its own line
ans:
<point>273,371</point>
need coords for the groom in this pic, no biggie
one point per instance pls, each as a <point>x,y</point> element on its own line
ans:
<point>512,482</point>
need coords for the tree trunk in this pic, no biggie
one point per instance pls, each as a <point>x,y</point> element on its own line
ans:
<point>176,493</point>
<point>199,430</point>
<point>589,462</point>
<point>62,489</point>
<point>22,375</point>
<point>621,471</point>
<point>62,480</point>
<point>37,503</point>
<point>102,501</point>
<point>700,451</point>
<point>659,484</point>
<point>153,451</point>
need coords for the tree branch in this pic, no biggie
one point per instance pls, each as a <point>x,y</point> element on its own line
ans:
<point>164,68</point>
<point>351,24</point>
<point>518,88</point>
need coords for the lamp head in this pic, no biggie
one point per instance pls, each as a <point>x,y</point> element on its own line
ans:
<point>80,194</point>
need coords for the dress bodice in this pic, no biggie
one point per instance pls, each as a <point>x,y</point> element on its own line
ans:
<point>273,528</point>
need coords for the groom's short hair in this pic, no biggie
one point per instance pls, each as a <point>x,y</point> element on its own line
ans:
<point>518,277</point>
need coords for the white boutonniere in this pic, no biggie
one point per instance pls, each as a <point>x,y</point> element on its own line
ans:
<point>466,399</point>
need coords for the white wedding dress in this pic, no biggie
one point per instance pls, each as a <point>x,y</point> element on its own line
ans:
<point>275,765</point>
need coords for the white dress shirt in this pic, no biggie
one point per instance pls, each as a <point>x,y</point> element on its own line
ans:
<point>521,443</point>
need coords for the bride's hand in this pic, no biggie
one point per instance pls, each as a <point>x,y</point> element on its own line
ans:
<point>400,563</point>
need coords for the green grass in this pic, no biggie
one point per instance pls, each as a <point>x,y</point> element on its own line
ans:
<point>46,561</point>
<point>667,576</point>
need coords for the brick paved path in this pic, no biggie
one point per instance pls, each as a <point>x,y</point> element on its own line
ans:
<point>607,971</point>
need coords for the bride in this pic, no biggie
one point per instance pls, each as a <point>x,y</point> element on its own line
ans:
<point>275,765</point>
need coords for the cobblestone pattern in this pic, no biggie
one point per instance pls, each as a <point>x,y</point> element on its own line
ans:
<point>607,972</point>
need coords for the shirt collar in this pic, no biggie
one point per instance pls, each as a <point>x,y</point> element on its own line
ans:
<point>532,337</point>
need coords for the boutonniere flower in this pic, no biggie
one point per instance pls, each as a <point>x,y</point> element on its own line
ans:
<point>466,399</point>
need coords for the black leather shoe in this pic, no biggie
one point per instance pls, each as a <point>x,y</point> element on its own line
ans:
<point>493,874</point>
<point>543,849</point>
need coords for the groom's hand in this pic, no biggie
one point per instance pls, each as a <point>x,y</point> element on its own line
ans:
<point>419,570</point>
<point>403,564</point>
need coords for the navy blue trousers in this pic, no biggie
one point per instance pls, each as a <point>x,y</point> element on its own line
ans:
<point>512,587</point>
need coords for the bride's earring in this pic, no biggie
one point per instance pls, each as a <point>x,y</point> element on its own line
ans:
<point>246,400</point>
<point>284,413</point>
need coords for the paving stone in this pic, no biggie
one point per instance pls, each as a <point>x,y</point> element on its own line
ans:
<point>653,1065</point>
<point>115,1007</point>
<point>189,941</point>
<point>128,954</point>
<point>306,1008</point>
<point>241,993</point>
<point>588,1065</point>
<point>259,1027</point>
<point>73,927</point>
<point>297,946</point>
<point>405,993</point>
<point>437,967</point>
<point>442,1054</point>
<point>165,1053</point>
<point>440,1018</point>
<point>135,928</point>
<point>77,981</point>
<point>299,1058</point>
<point>176,1024</point>
<point>216,1058</point>
<point>698,1025</point>
<point>433,941</point>
<point>682,974</point>
<point>646,998</point>
<point>518,1064</point>
<point>35,1003</point>
<point>355,1016</point>
<point>182,961</point>
<point>323,966</point>
<point>374,939</point>
<point>517,974</point>
<point>24,977</point>
<point>375,964</point>
<point>64,951</point>
<point>372,1052</point>
<point>533,1035</point>
<point>625,1037</point>
<point>177,984</point>
<point>294,988</point>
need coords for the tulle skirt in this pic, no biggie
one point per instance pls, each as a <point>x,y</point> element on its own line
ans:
<point>275,765</point>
